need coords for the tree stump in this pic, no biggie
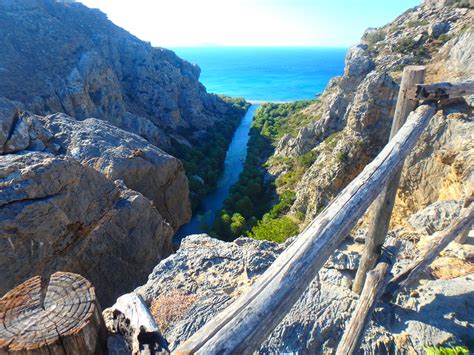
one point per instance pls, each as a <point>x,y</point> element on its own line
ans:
<point>56,316</point>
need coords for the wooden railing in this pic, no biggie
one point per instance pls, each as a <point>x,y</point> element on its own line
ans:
<point>246,323</point>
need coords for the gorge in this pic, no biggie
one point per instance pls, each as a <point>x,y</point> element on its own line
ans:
<point>113,152</point>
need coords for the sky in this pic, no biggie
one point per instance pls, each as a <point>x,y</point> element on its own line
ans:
<point>189,23</point>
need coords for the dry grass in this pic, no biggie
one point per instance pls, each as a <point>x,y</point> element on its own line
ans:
<point>170,307</point>
<point>448,268</point>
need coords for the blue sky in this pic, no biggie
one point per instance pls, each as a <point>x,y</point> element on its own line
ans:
<point>326,23</point>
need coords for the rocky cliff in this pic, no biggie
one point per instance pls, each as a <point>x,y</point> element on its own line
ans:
<point>351,121</point>
<point>66,202</point>
<point>65,57</point>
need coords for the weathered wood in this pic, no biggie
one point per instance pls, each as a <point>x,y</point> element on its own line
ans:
<point>383,206</point>
<point>411,274</point>
<point>56,317</point>
<point>443,91</point>
<point>145,331</point>
<point>373,288</point>
<point>250,319</point>
<point>461,239</point>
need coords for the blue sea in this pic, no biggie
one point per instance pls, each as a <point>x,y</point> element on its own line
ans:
<point>266,73</point>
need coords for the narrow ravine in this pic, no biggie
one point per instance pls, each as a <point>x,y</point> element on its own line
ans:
<point>233,166</point>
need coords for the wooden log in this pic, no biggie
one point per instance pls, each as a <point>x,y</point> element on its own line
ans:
<point>383,206</point>
<point>59,316</point>
<point>374,287</point>
<point>146,335</point>
<point>443,91</point>
<point>441,240</point>
<point>248,321</point>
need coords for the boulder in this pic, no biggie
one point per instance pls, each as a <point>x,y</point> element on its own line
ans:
<point>121,155</point>
<point>56,214</point>
<point>438,28</point>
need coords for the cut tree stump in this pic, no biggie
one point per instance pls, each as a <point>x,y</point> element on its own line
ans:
<point>56,316</point>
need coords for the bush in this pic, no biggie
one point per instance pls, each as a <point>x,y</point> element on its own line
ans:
<point>406,45</point>
<point>276,230</point>
<point>452,350</point>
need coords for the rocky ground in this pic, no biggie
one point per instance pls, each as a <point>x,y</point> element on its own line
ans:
<point>190,287</point>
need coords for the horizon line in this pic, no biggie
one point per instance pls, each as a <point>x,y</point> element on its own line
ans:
<point>255,46</point>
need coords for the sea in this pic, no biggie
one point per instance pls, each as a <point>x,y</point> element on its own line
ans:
<point>258,75</point>
<point>261,74</point>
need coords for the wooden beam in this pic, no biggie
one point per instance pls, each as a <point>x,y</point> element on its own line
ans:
<point>411,274</point>
<point>145,331</point>
<point>383,206</point>
<point>59,315</point>
<point>247,322</point>
<point>443,91</point>
<point>373,288</point>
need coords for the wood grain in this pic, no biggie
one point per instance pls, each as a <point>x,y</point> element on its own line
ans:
<point>56,316</point>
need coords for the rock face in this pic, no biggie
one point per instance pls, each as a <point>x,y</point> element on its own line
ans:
<point>81,64</point>
<point>352,119</point>
<point>120,155</point>
<point>207,275</point>
<point>66,201</point>
<point>56,214</point>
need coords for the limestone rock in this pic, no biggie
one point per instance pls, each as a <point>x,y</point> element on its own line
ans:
<point>435,217</point>
<point>56,214</point>
<point>209,274</point>
<point>19,131</point>
<point>121,155</point>
<point>81,64</point>
<point>437,29</point>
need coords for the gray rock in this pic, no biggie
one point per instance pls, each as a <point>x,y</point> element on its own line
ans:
<point>101,71</point>
<point>213,274</point>
<point>121,155</point>
<point>437,29</point>
<point>56,214</point>
<point>435,217</point>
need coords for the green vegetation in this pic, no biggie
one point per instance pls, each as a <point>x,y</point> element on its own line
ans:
<point>406,45</point>
<point>451,350</point>
<point>417,23</point>
<point>253,207</point>
<point>206,158</point>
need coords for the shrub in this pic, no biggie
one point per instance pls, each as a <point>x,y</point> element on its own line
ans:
<point>441,350</point>
<point>406,45</point>
<point>276,230</point>
<point>417,23</point>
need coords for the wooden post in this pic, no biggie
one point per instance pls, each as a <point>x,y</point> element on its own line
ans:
<point>61,316</point>
<point>247,322</point>
<point>383,206</point>
<point>411,274</point>
<point>373,288</point>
